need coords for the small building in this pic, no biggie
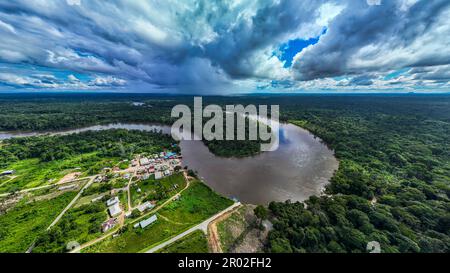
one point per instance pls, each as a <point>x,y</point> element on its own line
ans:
<point>128,214</point>
<point>99,179</point>
<point>112,201</point>
<point>97,199</point>
<point>149,221</point>
<point>167,172</point>
<point>115,210</point>
<point>68,187</point>
<point>147,205</point>
<point>127,176</point>
<point>158,175</point>
<point>144,161</point>
<point>145,176</point>
<point>9,172</point>
<point>109,224</point>
<point>170,155</point>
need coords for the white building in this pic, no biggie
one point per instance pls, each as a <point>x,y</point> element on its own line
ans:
<point>158,175</point>
<point>147,205</point>
<point>148,221</point>
<point>115,210</point>
<point>68,187</point>
<point>112,201</point>
<point>10,172</point>
<point>144,161</point>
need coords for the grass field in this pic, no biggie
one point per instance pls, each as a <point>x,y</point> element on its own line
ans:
<point>196,204</point>
<point>80,225</point>
<point>136,239</point>
<point>21,225</point>
<point>195,242</point>
<point>157,190</point>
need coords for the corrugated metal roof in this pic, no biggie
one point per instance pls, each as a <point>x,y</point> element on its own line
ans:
<point>148,221</point>
<point>115,210</point>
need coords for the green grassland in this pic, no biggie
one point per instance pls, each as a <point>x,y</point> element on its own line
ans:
<point>132,240</point>
<point>195,242</point>
<point>20,226</point>
<point>156,190</point>
<point>80,224</point>
<point>196,204</point>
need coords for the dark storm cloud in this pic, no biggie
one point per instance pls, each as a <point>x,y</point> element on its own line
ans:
<point>361,38</point>
<point>204,46</point>
<point>361,80</point>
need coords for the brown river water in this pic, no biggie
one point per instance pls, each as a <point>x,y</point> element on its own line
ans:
<point>300,167</point>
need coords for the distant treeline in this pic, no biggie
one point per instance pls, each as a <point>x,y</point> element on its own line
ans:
<point>110,143</point>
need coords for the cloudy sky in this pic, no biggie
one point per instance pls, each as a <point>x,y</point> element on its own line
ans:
<point>227,46</point>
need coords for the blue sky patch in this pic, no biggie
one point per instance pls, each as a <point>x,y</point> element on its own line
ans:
<point>396,74</point>
<point>287,51</point>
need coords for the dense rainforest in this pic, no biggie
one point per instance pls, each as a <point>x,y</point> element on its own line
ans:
<point>392,185</point>
<point>393,182</point>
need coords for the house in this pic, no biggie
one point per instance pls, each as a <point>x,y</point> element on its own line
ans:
<point>115,210</point>
<point>98,179</point>
<point>97,199</point>
<point>109,224</point>
<point>147,205</point>
<point>112,201</point>
<point>167,172</point>
<point>144,161</point>
<point>170,155</point>
<point>68,187</point>
<point>149,221</point>
<point>145,176</point>
<point>9,172</point>
<point>142,170</point>
<point>158,175</point>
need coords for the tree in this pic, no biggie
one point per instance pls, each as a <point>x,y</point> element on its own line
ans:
<point>261,212</point>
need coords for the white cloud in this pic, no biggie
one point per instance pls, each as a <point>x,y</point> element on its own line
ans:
<point>73,2</point>
<point>107,81</point>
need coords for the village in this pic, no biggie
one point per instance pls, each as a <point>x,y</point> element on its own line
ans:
<point>148,195</point>
<point>141,168</point>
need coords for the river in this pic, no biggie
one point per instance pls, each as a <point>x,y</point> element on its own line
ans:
<point>300,167</point>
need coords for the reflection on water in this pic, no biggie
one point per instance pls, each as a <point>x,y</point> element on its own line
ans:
<point>299,168</point>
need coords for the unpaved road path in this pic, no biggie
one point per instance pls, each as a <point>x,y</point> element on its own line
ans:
<point>202,226</point>
<point>213,235</point>
<point>88,184</point>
